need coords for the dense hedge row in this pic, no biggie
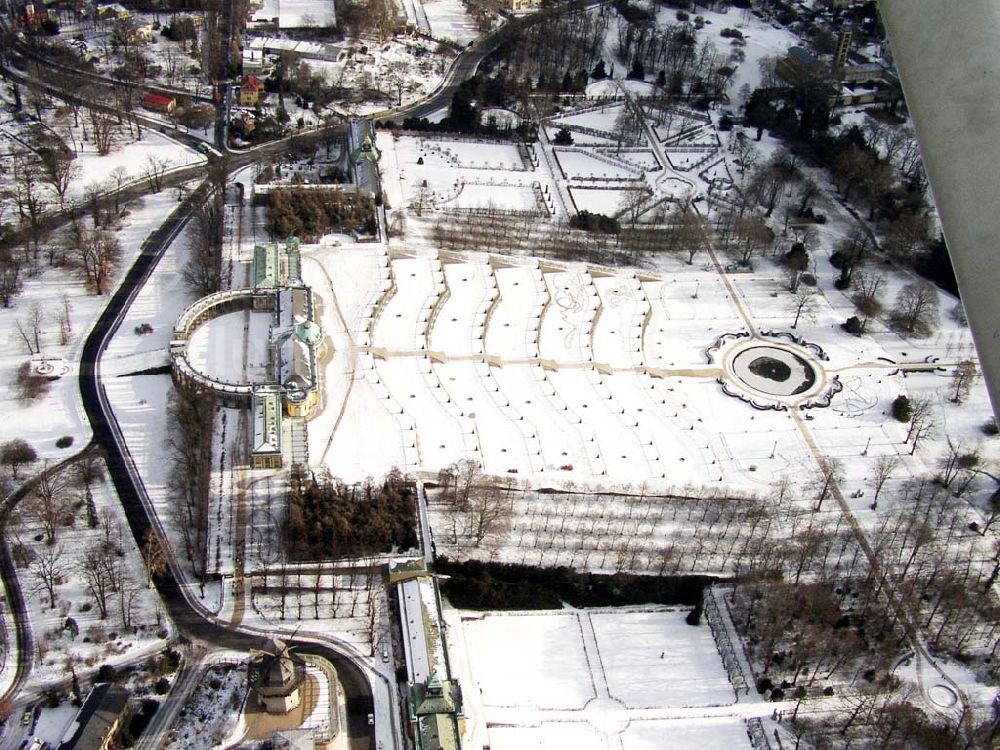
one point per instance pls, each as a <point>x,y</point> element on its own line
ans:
<point>488,586</point>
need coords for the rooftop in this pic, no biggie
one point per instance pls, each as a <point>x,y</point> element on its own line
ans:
<point>97,717</point>
<point>267,420</point>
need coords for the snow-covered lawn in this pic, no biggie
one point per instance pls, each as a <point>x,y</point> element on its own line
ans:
<point>594,678</point>
<point>599,200</point>
<point>448,19</point>
<point>135,157</point>
<point>75,630</point>
<point>578,165</point>
<point>529,660</point>
<point>54,291</point>
<point>565,368</point>
<point>655,659</point>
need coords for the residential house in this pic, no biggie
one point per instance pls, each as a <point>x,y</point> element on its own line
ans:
<point>100,719</point>
<point>251,88</point>
<point>159,102</point>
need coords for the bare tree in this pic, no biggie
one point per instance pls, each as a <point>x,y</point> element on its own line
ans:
<point>102,129</point>
<point>802,304</point>
<point>962,379</point>
<point>128,591</point>
<point>830,472</point>
<point>922,421</point>
<point>154,554</point>
<point>882,471</point>
<point>156,166</point>
<point>48,569</point>
<point>99,574</point>
<point>65,320</point>
<point>118,178</point>
<point>422,198</point>
<point>50,504</point>
<point>17,453</point>
<point>29,329</point>
<point>867,284</point>
<point>59,169</point>
<point>96,253</point>
<point>916,308</point>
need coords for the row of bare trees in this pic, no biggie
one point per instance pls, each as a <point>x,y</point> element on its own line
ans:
<point>191,417</point>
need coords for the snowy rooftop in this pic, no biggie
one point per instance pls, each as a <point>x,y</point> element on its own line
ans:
<point>411,614</point>
<point>297,14</point>
<point>267,421</point>
<point>270,44</point>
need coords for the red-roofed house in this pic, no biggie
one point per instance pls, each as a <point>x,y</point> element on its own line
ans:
<point>250,90</point>
<point>158,102</point>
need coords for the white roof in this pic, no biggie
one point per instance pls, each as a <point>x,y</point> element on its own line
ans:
<point>296,14</point>
<point>414,640</point>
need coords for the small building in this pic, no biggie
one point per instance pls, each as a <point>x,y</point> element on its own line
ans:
<point>436,717</point>
<point>434,700</point>
<point>273,269</point>
<point>111,11</point>
<point>294,14</point>
<point>251,87</point>
<point>800,65</point>
<point>293,739</point>
<point>159,102</point>
<point>276,675</point>
<point>265,452</point>
<point>144,32</point>
<point>31,16</point>
<point>99,720</point>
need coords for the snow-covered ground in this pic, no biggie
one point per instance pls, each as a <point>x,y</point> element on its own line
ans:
<point>631,677</point>
<point>59,412</point>
<point>134,625</point>
<point>448,19</point>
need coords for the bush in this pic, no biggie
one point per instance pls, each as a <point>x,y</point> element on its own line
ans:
<point>764,684</point>
<point>29,387</point>
<point>902,410</point>
<point>162,686</point>
<point>563,137</point>
<point>64,442</point>
<point>853,325</point>
<point>597,223</point>
<point>777,694</point>
<point>106,673</point>
<point>989,427</point>
<point>694,616</point>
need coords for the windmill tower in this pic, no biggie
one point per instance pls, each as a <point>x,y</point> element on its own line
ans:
<point>275,676</point>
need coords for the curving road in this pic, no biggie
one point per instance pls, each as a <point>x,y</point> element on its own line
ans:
<point>189,620</point>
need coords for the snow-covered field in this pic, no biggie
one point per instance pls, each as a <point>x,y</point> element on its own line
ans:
<point>74,631</point>
<point>55,290</point>
<point>569,370</point>
<point>447,19</point>
<point>595,678</point>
